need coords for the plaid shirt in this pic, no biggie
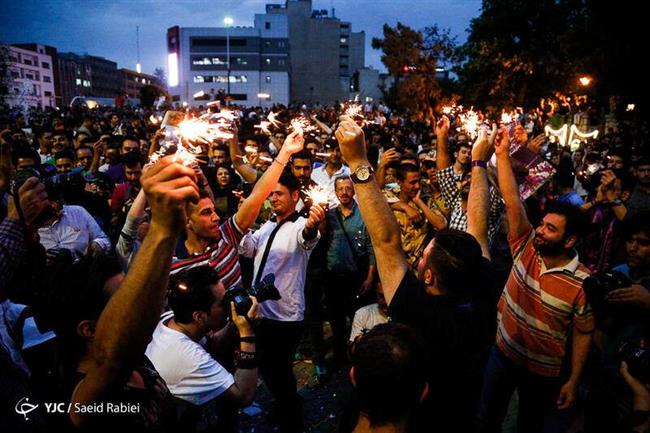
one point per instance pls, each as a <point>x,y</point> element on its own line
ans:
<point>12,239</point>
<point>448,180</point>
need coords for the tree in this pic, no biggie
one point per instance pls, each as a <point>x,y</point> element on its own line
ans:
<point>520,51</point>
<point>5,77</point>
<point>159,73</point>
<point>148,95</point>
<point>412,58</point>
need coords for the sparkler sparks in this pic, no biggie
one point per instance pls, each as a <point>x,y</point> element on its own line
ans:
<point>318,194</point>
<point>470,122</point>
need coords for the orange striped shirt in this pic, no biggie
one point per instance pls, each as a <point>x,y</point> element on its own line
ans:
<point>538,308</point>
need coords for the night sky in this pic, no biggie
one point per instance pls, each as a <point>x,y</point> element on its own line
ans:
<point>107,28</point>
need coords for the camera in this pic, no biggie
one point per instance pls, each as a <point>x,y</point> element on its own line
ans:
<point>637,360</point>
<point>265,290</point>
<point>63,184</point>
<point>598,286</point>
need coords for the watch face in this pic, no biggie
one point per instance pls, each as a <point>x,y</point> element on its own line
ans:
<point>363,173</point>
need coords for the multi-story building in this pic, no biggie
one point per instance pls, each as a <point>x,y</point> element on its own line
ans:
<point>251,64</point>
<point>52,52</point>
<point>131,82</point>
<point>32,78</point>
<point>86,75</point>
<point>324,51</point>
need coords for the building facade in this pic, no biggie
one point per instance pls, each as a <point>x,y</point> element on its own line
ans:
<point>31,78</point>
<point>132,81</point>
<point>324,51</point>
<point>199,60</point>
<point>86,75</point>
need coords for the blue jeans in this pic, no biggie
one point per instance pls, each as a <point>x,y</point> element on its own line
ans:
<point>537,411</point>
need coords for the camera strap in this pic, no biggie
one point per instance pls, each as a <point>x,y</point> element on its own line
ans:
<point>293,217</point>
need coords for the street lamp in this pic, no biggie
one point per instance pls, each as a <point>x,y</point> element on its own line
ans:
<point>228,21</point>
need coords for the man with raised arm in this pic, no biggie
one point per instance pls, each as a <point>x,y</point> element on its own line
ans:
<point>128,320</point>
<point>209,242</point>
<point>543,302</point>
<point>449,304</point>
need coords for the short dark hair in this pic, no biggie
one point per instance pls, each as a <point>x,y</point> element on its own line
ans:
<point>73,293</point>
<point>64,154</point>
<point>455,259</point>
<point>26,153</point>
<point>189,291</point>
<point>575,221</point>
<point>404,169</point>
<point>132,159</point>
<point>644,160</point>
<point>389,371</point>
<point>637,223</point>
<point>289,181</point>
<point>92,151</point>
<point>129,137</point>
<point>303,154</point>
<point>340,178</point>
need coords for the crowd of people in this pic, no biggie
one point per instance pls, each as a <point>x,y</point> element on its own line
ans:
<point>150,293</point>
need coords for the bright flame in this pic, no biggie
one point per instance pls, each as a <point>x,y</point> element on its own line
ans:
<point>153,119</point>
<point>585,81</point>
<point>199,94</point>
<point>318,194</point>
<point>470,122</point>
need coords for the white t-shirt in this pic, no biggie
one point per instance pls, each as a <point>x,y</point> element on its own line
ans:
<point>365,319</point>
<point>190,372</point>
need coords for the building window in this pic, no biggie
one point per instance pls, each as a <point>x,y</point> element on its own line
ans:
<point>267,25</point>
<point>27,61</point>
<point>241,61</point>
<point>15,74</point>
<point>267,43</point>
<point>29,76</point>
<point>46,79</point>
<point>78,81</point>
<point>86,83</point>
<point>282,44</point>
<point>45,65</point>
<point>281,62</point>
<point>267,79</point>
<point>48,93</point>
<point>200,61</point>
<point>344,40</point>
<point>267,61</point>
<point>219,79</point>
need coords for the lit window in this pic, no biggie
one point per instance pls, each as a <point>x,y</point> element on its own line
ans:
<point>46,79</point>
<point>78,81</point>
<point>344,40</point>
<point>267,61</point>
<point>267,79</point>
<point>172,67</point>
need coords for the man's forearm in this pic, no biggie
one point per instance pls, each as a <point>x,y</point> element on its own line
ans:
<point>517,218</point>
<point>250,208</point>
<point>580,350</point>
<point>442,152</point>
<point>125,326</point>
<point>477,208</point>
<point>247,172</point>
<point>384,234</point>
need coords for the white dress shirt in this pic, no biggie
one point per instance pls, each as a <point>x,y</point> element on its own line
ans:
<point>287,259</point>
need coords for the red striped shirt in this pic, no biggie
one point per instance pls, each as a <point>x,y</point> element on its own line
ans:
<point>222,256</point>
<point>538,307</point>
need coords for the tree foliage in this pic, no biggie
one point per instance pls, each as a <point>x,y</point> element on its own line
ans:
<point>412,58</point>
<point>148,95</point>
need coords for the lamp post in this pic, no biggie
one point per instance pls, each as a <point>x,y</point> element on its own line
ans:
<point>228,22</point>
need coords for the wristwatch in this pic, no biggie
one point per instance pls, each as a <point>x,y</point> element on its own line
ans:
<point>362,174</point>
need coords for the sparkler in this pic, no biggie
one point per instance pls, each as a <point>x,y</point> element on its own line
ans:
<point>323,155</point>
<point>318,194</point>
<point>470,122</point>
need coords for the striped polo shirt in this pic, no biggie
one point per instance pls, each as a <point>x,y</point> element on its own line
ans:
<point>222,255</point>
<point>538,308</point>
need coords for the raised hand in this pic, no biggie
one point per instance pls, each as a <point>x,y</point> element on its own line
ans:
<point>316,216</point>
<point>442,127</point>
<point>352,142</point>
<point>502,143</point>
<point>32,199</point>
<point>169,186</point>
<point>293,143</point>
<point>482,149</point>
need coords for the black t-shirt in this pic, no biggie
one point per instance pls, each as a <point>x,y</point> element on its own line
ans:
<point>458,331</point>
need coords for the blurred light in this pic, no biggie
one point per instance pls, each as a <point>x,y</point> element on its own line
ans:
<point>184,103</point>
<point>138,68</point>
<point>585,81</point>
<point>172,65</point>
<point>228,21</point>
<point>199,94</point>
<point>263,95</point>
<point>630,107</point>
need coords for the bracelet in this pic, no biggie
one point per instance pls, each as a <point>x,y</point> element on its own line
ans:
<point>245,360</point>
<point>479,163</point>
<point>247,339</point>
<point>283,164</point>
